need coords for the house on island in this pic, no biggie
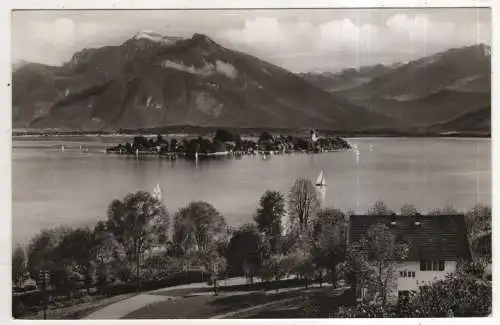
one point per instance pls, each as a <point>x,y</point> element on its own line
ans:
<point>436,243</point>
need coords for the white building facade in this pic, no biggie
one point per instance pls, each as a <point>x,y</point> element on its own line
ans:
<point>436,244</point>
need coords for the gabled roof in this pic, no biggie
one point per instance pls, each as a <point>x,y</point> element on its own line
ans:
<point>440,237</point>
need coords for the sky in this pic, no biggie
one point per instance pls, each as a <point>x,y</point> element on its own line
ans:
<point>314,40</point>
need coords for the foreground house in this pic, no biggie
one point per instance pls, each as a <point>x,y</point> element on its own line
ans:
<point>437,243</point>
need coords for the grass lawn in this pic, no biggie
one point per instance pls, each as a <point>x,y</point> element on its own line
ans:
<point>80,310</point>
<point>205,306</point>
<point>314,303</point>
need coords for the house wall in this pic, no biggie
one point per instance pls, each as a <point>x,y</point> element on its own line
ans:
<point>421,277</point>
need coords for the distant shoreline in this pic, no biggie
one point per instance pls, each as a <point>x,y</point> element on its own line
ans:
<point>246,132</point>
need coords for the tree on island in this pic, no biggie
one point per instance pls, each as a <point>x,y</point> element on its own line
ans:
<point>269,216</point>
<point>140,143</point>
<point>265,136</point>
<point>223,136</point>
<point>138,222</point>
<point>302,204</point>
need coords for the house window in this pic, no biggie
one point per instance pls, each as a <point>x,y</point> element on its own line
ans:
<point>431,265</point>
<point>406,274</point>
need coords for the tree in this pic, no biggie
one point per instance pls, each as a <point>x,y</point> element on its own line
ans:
<point>302,263</point>
<point>409,210</point>
<point>44,255</point>
<point>173,145</point>
<point>380,251</point>
<point>275,267</point>
<point>329,246</point>
<point>380,208</point>
<point>41,250</point>
<point>18,265</point>
<point>269,215</point>
<point>356,266</point>
<point>303,202</point>
<point>106,252</point>
<point>265,136</point>
<point>447,210</point>
<point>197,226</point>
<point>140,142</point>
<point>479,221</point>
<point>138,222</point>
<point>209,261</point>
<point>76,252</point>
<point>223,136</point>
<point>245,251</point>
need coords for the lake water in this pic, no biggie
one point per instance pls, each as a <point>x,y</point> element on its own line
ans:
<point>53,188</point>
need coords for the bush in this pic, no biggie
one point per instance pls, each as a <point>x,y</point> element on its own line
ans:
<point>170,281</point>
<point>366,310</point>
<point>465,296</point>
<point>458,296</point>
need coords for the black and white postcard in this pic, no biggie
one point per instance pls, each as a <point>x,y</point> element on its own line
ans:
<point>251,163</point>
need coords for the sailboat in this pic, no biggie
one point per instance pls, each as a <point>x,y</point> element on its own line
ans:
<point>157,192</point>
<point>321,180</point>
<point>321,187</point>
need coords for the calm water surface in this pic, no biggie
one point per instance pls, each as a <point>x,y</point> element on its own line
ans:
<point>53,188</point>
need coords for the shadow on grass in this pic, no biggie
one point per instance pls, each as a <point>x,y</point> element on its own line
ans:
<point>260,286</point>
<point>317,303</point>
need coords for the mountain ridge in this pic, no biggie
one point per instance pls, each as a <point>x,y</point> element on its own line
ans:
<point>423,92</point>
<point>148,83</point>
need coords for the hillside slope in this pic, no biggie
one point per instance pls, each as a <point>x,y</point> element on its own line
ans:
<point>424,92</point>
<point>154,81</point>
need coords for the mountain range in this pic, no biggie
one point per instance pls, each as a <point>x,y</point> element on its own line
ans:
<point>429,91</point>
<point>153,81</point>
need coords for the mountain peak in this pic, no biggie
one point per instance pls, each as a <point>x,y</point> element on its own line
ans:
<point>155,37</point>
<point>202,38</point>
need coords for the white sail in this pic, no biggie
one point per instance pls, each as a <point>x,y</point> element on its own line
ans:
<point>321,180</point>
<point>320,177</point>
<point>157,192</point>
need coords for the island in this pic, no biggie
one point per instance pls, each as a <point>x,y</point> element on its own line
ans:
<point>225,143</point>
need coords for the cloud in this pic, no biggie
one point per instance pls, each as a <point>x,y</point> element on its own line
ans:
<point>299,40</point>
<point>350,41</point>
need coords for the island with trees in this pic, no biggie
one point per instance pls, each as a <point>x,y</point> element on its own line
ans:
<point>224,143</point>
<point>195,244</point>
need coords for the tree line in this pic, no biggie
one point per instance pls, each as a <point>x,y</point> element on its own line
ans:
<point>225,141</point>
<point>141,241</point>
